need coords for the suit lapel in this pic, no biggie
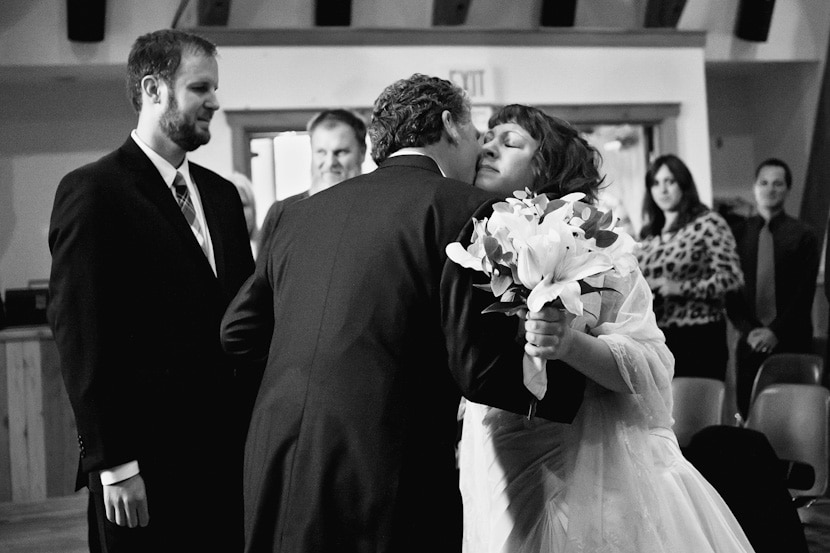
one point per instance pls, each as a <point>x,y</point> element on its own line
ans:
<point>212,215</point>
<point>148,181</point>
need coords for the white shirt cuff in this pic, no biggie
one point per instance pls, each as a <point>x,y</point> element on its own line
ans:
<point>119,473</point>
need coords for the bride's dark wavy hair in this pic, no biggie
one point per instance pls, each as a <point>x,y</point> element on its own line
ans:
<point>564,162</point>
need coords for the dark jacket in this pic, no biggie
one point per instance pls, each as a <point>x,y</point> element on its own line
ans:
<point>373,335</point>
<point>135,309</point>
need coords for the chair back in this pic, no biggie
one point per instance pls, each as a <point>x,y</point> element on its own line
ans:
<point>788,368</point>
<point>794,418</point>
<point>698,403</point>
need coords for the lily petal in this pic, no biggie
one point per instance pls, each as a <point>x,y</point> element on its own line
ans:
<point>570,297</point>
<point>460,255</point>
<point>545,291</point>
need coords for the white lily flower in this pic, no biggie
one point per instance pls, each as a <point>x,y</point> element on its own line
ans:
<point>563,282</point>
<point>463,257</point>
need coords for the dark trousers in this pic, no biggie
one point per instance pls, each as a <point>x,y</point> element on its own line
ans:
<point>183,517</point>
<point>699,350</point>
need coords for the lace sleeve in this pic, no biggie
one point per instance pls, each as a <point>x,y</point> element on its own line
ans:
<point>627,324</point>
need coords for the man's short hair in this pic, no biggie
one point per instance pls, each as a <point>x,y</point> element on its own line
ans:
<point>408,112</point>
<point>160,53</point>
<point>775,162</point>
<point>330,117</point>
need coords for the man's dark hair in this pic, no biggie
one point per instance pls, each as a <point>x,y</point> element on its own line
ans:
<point>775,162</point>
<point>160,53</point>
<point>330,117</point>
<point>408,112</point>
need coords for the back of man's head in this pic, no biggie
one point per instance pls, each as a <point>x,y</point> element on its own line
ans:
<point>160,53</point>
<point>407,114</point>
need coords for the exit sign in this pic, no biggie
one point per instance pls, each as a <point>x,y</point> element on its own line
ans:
<point>477,82</point>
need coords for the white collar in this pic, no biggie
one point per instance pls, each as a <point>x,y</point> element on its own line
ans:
<point>164,167</point>
<point>410,151</point>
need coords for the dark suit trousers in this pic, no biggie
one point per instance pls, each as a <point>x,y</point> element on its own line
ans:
<point>178,522</point>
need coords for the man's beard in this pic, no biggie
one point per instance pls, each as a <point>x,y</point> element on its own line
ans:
<point>181,131</point>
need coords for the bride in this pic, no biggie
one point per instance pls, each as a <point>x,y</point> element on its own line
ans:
<point>614,480</point>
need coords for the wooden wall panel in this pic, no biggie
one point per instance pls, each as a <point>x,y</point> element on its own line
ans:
<point>5,456</point>
<point>26,439</point>
<point>38,439</point>
<point>59,429</point>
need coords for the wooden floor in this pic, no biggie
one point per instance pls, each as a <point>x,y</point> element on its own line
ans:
<point>51,526</point>
<point>816,519</point>
<point>59,526</point>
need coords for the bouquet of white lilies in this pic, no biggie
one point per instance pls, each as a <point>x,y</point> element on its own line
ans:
<point>539,251</point>
<point>536,250</point>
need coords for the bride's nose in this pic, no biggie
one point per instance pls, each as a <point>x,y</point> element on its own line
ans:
<point>488,149</point>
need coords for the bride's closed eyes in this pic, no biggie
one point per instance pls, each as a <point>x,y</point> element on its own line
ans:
<point>506,159</point>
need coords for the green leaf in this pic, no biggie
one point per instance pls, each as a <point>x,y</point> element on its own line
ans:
<point>499,283</point>
<point>605,238</point>
<point>508,308</point>
<point>585,288</point>
<point>553,205</point>
<point>607,220</point>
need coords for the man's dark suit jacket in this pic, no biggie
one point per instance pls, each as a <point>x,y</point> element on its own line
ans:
<point>796,268</point>
<point>135,309</point>
<point>372,333</point>
<point>269,224</point>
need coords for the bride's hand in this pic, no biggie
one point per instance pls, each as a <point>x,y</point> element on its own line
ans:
<point>548,333</point>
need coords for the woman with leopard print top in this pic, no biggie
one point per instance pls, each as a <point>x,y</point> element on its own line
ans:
<point>689,259</point>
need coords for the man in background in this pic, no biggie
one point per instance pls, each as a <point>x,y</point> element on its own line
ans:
<point>147,250</point>
<point>779,258</point>
<point>338,148</point>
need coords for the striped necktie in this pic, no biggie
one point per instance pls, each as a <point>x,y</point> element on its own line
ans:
<point>765,277</point>
<point>186,205</point>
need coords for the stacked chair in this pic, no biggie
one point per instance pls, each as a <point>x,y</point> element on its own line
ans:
<point>788,368</point>
<point>794,418</point>
<point>789,406</point>
<point>698,403</point>
<point>774,464</point>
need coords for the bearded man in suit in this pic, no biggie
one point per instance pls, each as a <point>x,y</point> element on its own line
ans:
<point>147,251</point>
<point>371,335</point>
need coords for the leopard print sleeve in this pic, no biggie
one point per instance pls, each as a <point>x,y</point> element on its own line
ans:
<point>702,257</point>
<point>714,246</point>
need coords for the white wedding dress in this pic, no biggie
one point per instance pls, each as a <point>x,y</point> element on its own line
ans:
<point>614,480</point>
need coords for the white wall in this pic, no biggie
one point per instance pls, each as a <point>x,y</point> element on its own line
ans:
<point>49,126</point>
<point>762,95</point>
<point>769,112</point>
<point>46,132</point>
<point>34,32</point>
<point>798,31</point>
<point>278,77</point>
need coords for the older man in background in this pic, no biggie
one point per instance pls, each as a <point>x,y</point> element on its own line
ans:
<point>338,148</point>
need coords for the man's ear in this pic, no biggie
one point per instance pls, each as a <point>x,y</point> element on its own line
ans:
<point>151,88</point>
<point>449,127</point>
